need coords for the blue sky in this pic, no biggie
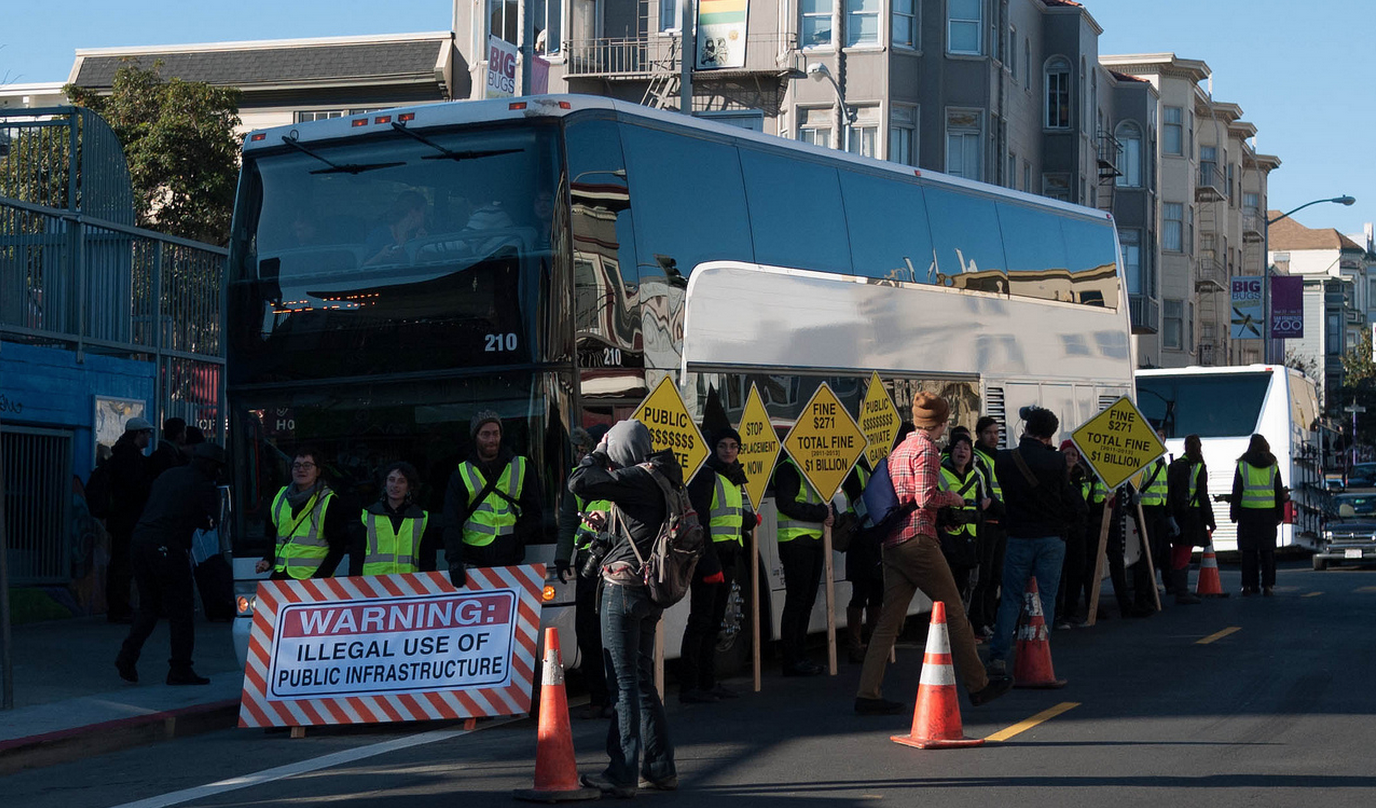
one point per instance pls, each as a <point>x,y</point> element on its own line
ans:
<point>1303,77</point>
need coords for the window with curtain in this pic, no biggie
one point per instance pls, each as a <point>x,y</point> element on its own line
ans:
<point>964,26</point>
<point>1172,135</point>
<point>1172,230</point>
<point>862,22</point>
<point>815,26</point>
<point>1129,136</point>
<point>1131,240</point>
<point>1057,75</point>
<point>903,135</point>
<point>814,126</point>
<point>964,143</point>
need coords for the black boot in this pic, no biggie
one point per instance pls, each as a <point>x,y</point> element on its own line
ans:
<point>1180,584</point>
<point>185,676</point>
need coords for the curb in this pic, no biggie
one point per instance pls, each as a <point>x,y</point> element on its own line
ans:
<point>61,746</point>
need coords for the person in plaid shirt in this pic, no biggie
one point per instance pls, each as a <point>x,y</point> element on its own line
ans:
<point>913,561</point>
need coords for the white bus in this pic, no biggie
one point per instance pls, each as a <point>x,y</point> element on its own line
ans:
<point>1225,406</point>
<point>575,250</point>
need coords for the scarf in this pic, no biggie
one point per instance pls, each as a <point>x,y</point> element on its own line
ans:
<point>296,497</point>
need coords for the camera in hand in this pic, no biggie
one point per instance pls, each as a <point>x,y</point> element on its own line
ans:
<point>597,550</point>
<point>950,518</point>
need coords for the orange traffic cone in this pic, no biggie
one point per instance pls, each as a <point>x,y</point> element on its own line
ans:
<point>1033,668</point>
<point>556,772</point>
<point>936,718</point>
<point>1209,585</point>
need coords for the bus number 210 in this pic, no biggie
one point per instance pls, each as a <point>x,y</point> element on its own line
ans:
<point>499,342</point>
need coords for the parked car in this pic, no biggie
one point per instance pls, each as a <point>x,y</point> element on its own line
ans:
<point>1349,533</point>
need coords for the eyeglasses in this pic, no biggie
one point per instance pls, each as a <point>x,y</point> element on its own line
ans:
<point>302,466</point>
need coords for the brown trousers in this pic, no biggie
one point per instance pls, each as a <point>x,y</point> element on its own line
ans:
<point>908,567</point>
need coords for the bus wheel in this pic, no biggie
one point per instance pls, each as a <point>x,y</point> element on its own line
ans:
<point>734,639</point>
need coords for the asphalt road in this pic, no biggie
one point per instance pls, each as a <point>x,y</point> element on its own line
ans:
<point>1273,710</point>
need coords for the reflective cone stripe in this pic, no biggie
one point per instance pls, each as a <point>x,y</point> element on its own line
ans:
<point>1033,668</point>
<point>1209,584</point>
<point>556,771</point>
<point>936,716</point>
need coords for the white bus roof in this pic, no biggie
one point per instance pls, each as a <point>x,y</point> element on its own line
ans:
<point>456,113</point>
<point>1200,370</point>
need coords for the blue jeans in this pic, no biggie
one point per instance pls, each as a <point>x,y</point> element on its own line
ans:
<point>629,621</point>
<point>1026,558</point>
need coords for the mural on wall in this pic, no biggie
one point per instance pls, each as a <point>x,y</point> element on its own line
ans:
<point>110,416</point>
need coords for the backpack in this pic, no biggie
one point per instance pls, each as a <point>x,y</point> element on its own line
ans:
<point>98,491</point>
<point>668,571</point>
<point>883,512</point>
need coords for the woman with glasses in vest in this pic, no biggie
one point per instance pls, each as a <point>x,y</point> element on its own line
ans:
<point>718,492</point>
<point>399,537</point>
<point>309,528</point>
<point>1257,506</point>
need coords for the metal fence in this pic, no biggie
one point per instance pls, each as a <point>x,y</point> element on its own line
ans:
<point>38,500</point>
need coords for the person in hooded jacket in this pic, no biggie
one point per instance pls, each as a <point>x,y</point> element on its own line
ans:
<point>621,471</point>
<point>492,504</point>
<point>718,495</point>
<point>1257,506</point>
<point>1187,497</point>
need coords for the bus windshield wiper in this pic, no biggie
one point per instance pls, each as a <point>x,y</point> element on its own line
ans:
<point>450,154</point>
<point>336,168</point>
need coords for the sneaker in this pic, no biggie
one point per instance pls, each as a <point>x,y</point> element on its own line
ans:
<point>1062,625</point>
<point>995,688</point>
<point>601,783</point>
<point>996,669</point>
<point>697,696</point>
<point>669,783</point>
<point>186,677</point>
<point>864,706</point>
<point>724,692</point>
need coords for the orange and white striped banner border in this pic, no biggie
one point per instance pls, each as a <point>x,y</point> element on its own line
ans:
<point>256,710</point>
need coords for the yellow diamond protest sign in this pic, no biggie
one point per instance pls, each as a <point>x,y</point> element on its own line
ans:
<point>671,427</point>
<point>879,420</point>
<point>1118,442</point>
<point>759,447</point>
<point>825,441</point>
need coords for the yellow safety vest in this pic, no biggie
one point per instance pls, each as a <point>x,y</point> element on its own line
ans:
<point>582,537</point>
<point>728,512</point>
<point>965,487</point>
<point>991,478</point>
<point>1194,486</point>
<point>1155,491</point>
<point>1258,485</point>
<point>1098,492</point>
<point>389,550</point>
<point>493,516</point>
<point>300,547</point>
<point>790,528</point>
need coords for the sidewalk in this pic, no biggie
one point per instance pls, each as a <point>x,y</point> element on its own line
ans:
<point>69,701</point>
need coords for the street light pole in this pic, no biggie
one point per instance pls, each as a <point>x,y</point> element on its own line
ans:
<point>819,71</point>
<point>1266,270</point>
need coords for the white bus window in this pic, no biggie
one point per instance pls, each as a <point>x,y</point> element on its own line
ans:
<point>688,201</point>
<point>889,235</point>
<point>969,255</point>
<point>1038,265</point>
<point>1207,406</point>
<point>1093,261</point>
<point>795,213</point>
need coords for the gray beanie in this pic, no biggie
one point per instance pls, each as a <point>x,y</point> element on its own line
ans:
<point>483,417</point>
<point>627,443</point>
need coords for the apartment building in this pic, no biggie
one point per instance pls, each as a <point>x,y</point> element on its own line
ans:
<point>1212,189</point>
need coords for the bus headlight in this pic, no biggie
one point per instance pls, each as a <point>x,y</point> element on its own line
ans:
<point>245,598</point>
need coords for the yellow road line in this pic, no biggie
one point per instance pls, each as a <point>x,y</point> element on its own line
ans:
<point>1311,594</point>
<point>1218,635</point>
<point>1023,726</point>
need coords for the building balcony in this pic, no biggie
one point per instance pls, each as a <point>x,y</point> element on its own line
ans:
<point>1212,186</point>
<point>659,54</point>
<point>1253,226</point>
<point>1210,275</point>
<point>1145,312</point>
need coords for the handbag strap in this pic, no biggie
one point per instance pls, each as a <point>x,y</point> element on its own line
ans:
<point>1022,466</point>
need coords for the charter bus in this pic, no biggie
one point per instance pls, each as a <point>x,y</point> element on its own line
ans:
<point>1225,406</point>
<point>572,251</point>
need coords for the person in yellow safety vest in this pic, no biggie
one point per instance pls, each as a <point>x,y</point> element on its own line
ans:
<point>492,504</point>
<point>1258,506</point>
<point>1187,496</point>
<point>1074,578</point>
<point>718,494</point>
<point>802,515</point>
<point>310,530</point>
<point>570,554</point>
<point>864,564</point>
<point>1153,493</point>
<point>397,535</point>
<point>984,603</point>
<point>958,525</point>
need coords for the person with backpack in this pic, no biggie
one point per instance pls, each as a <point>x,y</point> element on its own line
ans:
<point>622,470</point>
<point>913,561</point>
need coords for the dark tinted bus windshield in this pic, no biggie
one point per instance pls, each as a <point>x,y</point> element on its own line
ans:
<point>1220,406</point>
<point>392,254</point>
